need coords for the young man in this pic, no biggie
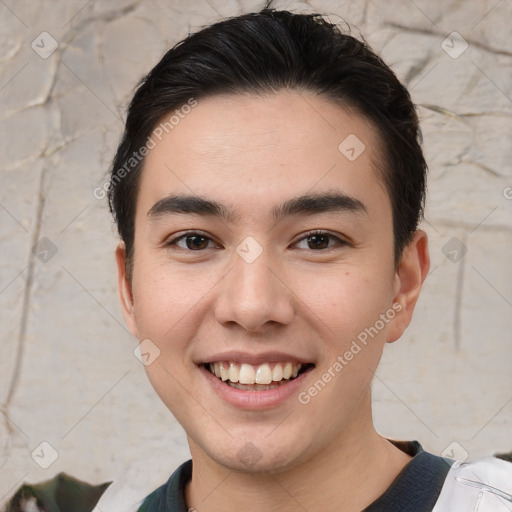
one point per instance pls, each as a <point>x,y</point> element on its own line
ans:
<point>267,192</point>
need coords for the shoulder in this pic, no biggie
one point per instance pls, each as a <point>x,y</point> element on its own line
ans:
<point>132,493</point>
<point>483,485</point>
<point>137,494</point>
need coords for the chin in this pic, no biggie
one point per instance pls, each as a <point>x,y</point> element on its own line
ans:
<point>259,457</point>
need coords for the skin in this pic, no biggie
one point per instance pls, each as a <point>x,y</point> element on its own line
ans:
<point>251,154</point>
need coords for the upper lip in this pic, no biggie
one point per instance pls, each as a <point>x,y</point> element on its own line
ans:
<point>254,359</point>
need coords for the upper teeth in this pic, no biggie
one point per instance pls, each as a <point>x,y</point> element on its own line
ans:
<point>248,374</point>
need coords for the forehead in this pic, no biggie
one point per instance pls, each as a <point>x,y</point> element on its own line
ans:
<point>253,150</point>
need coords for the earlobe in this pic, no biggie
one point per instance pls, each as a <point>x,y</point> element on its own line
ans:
<point>125,290</point>
<point>409,278</point>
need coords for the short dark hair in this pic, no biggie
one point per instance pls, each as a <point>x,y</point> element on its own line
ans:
<point>264,52</point>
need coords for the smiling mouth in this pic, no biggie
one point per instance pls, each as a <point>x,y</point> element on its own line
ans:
<point>262,377</point>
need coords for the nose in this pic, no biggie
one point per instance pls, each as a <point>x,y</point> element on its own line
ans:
<point>254,295</point>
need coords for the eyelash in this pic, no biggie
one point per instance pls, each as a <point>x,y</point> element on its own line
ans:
<point>173,242</point>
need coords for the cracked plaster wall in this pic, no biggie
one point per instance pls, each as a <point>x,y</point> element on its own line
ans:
<point>68,376</point>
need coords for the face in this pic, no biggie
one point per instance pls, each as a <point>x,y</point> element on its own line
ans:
<point>263,248</point>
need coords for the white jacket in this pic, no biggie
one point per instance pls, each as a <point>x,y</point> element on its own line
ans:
<point>483,485</point>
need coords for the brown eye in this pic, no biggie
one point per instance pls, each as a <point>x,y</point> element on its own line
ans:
<point>196,242</point>
<point>191,241</point>
<point>318,241</point>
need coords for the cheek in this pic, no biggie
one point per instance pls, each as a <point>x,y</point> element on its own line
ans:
<point>166,306</point>
<point>345,301</point>
<point>163,297</point>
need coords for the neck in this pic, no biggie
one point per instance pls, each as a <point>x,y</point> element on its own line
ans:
<point>351,472</point>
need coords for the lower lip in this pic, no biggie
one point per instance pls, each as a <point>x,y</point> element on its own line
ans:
<point>253,400</point>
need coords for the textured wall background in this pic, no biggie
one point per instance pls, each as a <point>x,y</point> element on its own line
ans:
<point>68,376</point>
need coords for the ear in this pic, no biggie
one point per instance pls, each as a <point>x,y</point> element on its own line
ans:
<point>125,290</point>
<point>409,277</point>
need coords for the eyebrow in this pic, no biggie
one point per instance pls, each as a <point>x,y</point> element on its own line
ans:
<point>308,204</point>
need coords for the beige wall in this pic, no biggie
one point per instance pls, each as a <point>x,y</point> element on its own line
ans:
<point>68,376</point>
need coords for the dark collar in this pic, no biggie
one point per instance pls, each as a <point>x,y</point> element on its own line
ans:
<point>417,487</point>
